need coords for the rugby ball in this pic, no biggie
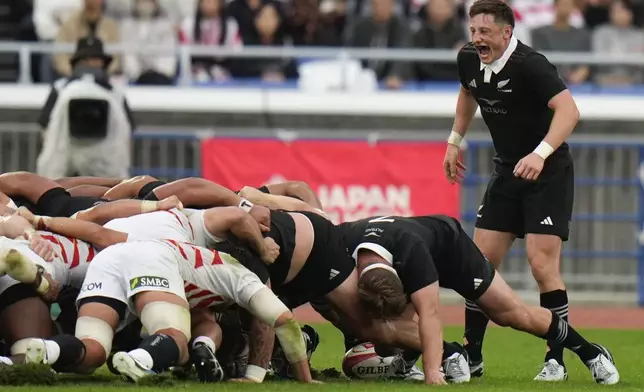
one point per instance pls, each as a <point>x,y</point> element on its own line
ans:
<point>363,363</point>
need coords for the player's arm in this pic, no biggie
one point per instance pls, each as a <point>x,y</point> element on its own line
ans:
<point>223,221</point>
<point>96,235</point>
<point>88,191</point>
<point>104,213</point>
<point>466,104</point>
<point>551,90</point>
<point>71,182</point>
<point>297,189</point>
<point>278,202</point>
<point>261,340</point>
<point>198,192</point>
<point>426,304</point>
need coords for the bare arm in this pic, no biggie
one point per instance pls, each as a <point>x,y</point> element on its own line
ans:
<point>198,192</point>
<point>297,189</point>
<point>466,107</point>
<point>222,221</point>
<point>71,182</point>
<point>564,120</point>
<point>426,303</point>
<point>97,235</point>
<point>104,213</point>
<point>277,202</point>
<point>88,190</point>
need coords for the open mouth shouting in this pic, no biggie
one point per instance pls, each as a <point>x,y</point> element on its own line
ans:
<point>484,53</point>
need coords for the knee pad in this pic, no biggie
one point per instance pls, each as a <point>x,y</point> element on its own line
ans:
<point>95,329</point>
<point>157,316</point>
<point>20,347</point>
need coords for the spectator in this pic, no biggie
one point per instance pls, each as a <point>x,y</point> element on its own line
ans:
<point>245,13</point>
<point>149,26</point>
<point>596,12</point>
<point>177,10</point>
<point>260,24</point>
<point>441,30</point>
<point>307,25</point>
<point>334,13</point>
<point>615,39</point>
<point>382,30</point>
<point>211,26</point>
<point>563,37</point>
<point>12,28</point>
<point>87,22</point>
<point>48,17</point>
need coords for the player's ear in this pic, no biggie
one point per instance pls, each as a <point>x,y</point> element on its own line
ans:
<point>507,32</point>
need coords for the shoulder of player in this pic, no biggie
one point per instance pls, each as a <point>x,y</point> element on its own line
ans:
<point>525,55</point>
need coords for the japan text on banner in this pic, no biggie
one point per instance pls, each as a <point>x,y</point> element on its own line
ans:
<point>352,179</point>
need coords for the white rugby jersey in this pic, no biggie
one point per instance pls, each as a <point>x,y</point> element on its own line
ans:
<point>158,225</point>
<point>212,278</point>
<point>72,257</point>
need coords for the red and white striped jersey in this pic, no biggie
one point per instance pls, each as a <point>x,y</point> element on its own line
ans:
<point>73,258</point>
<point>212,278</point>
<point>158,225</point>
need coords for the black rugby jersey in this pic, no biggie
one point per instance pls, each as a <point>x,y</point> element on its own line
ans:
<point>417,247</point>
<point>514,101</point>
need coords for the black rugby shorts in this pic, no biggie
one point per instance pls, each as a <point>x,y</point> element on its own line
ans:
<point>514,205</point>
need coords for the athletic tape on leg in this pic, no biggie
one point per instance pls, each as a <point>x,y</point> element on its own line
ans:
<point>95,329</point>
<point>157,316</point>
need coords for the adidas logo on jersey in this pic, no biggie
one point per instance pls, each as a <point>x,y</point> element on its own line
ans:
<point>333,274</point>
<point>477,283</point>
<point>472,83</point>
<point>547,222</point>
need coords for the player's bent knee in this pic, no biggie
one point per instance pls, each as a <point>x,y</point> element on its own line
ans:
<point>159,316</point>
<point>96,330</point>
<point>268,308</point>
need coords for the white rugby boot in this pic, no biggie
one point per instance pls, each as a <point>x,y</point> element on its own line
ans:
<point>129,367</point>
<point>603,367</point>
<point>457,368</point>
<point>552,371</point>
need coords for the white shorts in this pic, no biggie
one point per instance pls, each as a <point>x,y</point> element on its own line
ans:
<point>202,236</point>
<point>123,270</point>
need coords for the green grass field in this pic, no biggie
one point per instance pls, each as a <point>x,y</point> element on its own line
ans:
<point>512,360</point>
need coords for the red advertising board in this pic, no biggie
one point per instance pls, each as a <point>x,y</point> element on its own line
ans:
<point>353,179</point>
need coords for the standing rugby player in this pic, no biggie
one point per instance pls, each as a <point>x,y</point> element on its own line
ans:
<point>530,113</point>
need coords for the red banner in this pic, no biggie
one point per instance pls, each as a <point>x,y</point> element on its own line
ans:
<point>353,179</point>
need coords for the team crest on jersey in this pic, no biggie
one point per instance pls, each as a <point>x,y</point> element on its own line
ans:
<point>149,281</point>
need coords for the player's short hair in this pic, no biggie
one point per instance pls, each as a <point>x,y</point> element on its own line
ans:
<point>381,294</point>
<point>500,10</point>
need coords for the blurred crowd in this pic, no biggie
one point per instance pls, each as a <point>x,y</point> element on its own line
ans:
<point>610,27</point>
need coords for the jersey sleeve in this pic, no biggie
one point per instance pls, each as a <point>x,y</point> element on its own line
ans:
<point>460,64</point>
<point>419,270</point>
<point>542,77</point>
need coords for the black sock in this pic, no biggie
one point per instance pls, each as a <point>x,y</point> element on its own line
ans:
<point>450,348</point>
<point>163,350</point>
<point>565,335</point>
<point>475,325</point>
<point>72,353</point>
<point>410,357</point>
<point>556,301</point>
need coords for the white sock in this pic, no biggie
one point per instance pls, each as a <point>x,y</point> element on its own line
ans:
<point>207,341</point>
<point>53,351</point>
<point>6,361</point>
<point>142,357</point>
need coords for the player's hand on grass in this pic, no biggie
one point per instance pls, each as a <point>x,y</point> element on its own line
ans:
<point>435,378</point>
<point>42,247</point>
<point>169,203</point>
<point>315,382</point>
<point>272,250</point>
<point>529,167</point>
<point>454,169</point>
